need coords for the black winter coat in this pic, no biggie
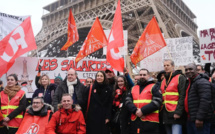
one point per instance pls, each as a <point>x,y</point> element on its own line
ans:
<point>145,127</point>
<point>168,117</point>
<point>213,100</point>
<point>79,90</point>
<point>99,109</point>
<point>121,127</point>
<point>199,99</point>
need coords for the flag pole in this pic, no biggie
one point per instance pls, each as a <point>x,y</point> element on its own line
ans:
<point>38,56</point>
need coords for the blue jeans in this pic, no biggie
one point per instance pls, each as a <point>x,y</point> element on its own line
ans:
<point>173,129</point>
<point>191,128</point>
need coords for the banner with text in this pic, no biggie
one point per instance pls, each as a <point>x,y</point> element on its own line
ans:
<point>180,50</point>
<point>207,45</point>
<point>8,23</point>
<point>27,67</point>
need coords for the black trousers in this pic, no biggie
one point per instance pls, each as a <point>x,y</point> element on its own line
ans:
<point>9,130</point>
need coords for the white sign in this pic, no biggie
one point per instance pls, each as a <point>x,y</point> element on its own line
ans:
<point>27,68</point>
<point>207,45</point>
<point>123,50</point>
<point>180,50</point>
<point>8,23</point>
<point>153,62</point>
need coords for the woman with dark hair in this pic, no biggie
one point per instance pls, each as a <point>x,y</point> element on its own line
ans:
<point>45,89</point>
<point>13,102</point>
<point>99,106</point>
<point>120,114</point>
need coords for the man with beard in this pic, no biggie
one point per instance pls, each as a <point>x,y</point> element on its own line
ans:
<point>144,102</point>
<point>173,91</point>
<point>36,117</point>
<point>111,77</point>
<point>198,101</point>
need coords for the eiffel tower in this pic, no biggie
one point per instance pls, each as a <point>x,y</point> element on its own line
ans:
<point>174,17</point>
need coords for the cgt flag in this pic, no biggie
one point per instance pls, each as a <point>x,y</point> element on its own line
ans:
<point>15,44</point>
<point>94,41</point>
<point>72,32</point>
<point>150,42</point>
<point>115,41</point>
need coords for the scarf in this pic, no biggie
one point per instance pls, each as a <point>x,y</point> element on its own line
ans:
<point>71,86</point>
<point>11,91</point>
<point>118,96</point>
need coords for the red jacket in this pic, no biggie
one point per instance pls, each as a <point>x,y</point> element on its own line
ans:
<point>66,122</point>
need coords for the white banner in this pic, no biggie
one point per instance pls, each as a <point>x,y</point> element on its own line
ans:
<point>8,23</point>
<point>207,45</point>
<point>27,68</point>
<point>180,50</point>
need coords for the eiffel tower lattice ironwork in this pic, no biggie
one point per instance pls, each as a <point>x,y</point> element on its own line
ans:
<point>174,17</point>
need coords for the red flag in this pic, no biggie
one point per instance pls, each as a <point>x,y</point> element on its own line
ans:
<point>115,41</point>
<point>150,42</point>
<point>15,44</point>
<point>72,32</point>
<point>95,40</point>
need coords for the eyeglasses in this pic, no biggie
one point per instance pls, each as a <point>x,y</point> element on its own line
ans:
<point>190,69</point>
<point>36,103</point>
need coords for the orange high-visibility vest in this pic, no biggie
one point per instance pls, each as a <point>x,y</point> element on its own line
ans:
<point>8,106</point>
<point>170,95</point>
<point>32,124</point>
<point>142,99</point>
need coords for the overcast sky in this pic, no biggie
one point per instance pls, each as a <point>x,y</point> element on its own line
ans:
<point>203,9</point>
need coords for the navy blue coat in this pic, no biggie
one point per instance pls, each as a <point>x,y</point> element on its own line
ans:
<point>48,94</point>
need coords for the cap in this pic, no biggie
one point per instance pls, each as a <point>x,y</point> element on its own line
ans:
<point>58,77</point>
<point>108,69</point>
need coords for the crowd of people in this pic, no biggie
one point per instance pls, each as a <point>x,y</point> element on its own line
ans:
<point>172,103</point>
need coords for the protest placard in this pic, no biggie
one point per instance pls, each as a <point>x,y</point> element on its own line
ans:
<point>180,50</point>
<point>207,45</point>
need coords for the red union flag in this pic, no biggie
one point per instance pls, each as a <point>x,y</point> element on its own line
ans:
<point>15,44</point>
<point>95,40</point>
<point>150,42</point>
<point>115,41</point>
<point>72,32</point>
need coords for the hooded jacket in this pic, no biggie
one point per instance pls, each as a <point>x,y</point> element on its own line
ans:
<point>36,121</point>
<point>66,122</point>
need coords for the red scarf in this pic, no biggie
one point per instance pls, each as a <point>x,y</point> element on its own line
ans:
<point>118,96</point>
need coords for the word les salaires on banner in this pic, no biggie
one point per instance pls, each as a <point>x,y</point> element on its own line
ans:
<point>65,65</point>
